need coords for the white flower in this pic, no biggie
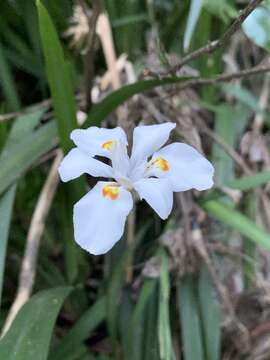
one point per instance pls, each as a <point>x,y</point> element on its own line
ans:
<point>154,173</point>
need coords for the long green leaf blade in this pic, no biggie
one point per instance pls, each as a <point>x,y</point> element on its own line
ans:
<point>30,333</point>
<point>58,76</point>
<point>16,160</point>
<point>101,110</point>
<point>67,347</point>
<point>237,221</point>
<point>246,183</point>
<point>190,320</point>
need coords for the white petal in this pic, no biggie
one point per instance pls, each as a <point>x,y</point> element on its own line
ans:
<point>92,140</point>
<point>76,163</point>
<point>187,167</point>
<point>120,160</point>
<point>149,138</point>
<point>157,193</point>
<point>99,221</point>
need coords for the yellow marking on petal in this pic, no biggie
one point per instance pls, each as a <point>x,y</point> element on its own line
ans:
<point>108,145</point>
<point>162,164</point>
<point>111,191</point>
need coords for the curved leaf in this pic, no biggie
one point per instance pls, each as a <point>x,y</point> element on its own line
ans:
<point>101,110</point>
<point>30,333</point>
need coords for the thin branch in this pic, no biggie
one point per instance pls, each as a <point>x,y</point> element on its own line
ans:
<point>104,32</point>
<point>28,267</point>
<point>216,44</point>
<point>88,57</point>
<point>259,69</point>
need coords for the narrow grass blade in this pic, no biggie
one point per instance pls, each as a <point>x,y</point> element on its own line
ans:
<point>101,110</point>
<point>27,339</point>
<point>164,328</point>
<point>7,83</point>
<point>190,320</point>
<point>66,349</point>
<point>246,183</point>
<point>136,328</point>
<point>6,205</point>
<point>210,316</point>
<point>193,16</point>
<point>22,126</point>
<point>16,160</point>
<point>233,218</point>
<point>249,248</point>
<point>59,79</point>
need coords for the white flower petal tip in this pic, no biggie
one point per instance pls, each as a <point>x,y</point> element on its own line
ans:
<point>100,216</point>
<point>157,193</point>
<point>186,167</point>
<point>98,141</point>
<point>76,163</point>
<point>149,138</point>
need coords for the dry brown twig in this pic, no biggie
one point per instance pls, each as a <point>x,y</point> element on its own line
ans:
<point>216,44</point>
<point>262,68</point>
<point>104,32</point>
<point>90,49</point>
<point>28,267</point>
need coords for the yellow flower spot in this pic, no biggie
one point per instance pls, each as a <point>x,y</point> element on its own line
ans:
<point>111,191</point>
<point>108,145</point>
<point>162,164</point>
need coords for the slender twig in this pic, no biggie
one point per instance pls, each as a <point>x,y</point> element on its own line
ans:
<point>29,262</point>
<point>259,69</point>
<point>216,44</point>
<point>88,57</point>
<point>104,32</point>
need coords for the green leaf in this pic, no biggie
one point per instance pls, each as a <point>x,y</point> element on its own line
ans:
<point>6,205</point>
<point>237,221</point>
<point>245,183</point>
<point>257,27</point>
<point>101,110</point>
<point>164,328</point>
<point>20,128</point>
<point>68,347</point>
<point>17,159</point>
<point>190,320</point>
<point>136,328</point>
<point>210,316</point>
<point>30,333</point>
<point>7,83</point>
<point>59,78</point>
<point>193,16</point>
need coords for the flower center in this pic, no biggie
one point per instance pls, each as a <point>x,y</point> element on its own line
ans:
<point>111,191</point>
<point>108,145</point>
<point>124,182</point>
<point>162,164</point>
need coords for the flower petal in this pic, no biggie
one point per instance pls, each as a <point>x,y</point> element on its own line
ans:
<point>120,160</point>
<point>149,138</point>
<point>157,193</point>
<point>100,216</point>
<point>98,141</point>
<point>76,163</point>
<point>184,166</point>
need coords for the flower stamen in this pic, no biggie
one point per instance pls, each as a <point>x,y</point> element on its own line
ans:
<point>108,145</point>
<point>162,164</point>
<point>111,192</point>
